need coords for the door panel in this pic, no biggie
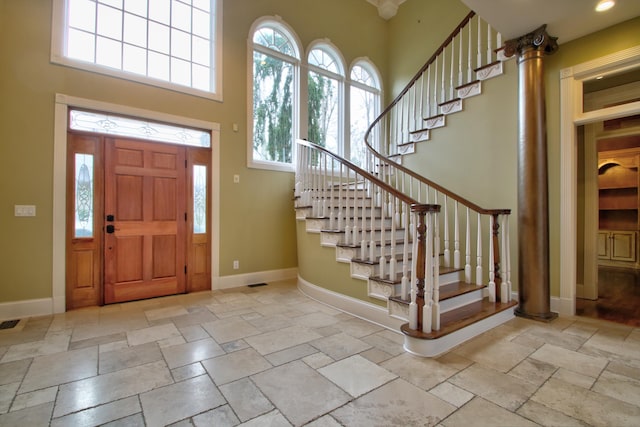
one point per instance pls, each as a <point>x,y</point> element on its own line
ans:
<point>145,256</point>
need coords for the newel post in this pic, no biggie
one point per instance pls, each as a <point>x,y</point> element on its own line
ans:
<point>533,194</point>
<point>421,237</point>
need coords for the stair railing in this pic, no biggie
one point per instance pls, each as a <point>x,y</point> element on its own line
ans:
<point>362,209</point>
<point>434,92</point>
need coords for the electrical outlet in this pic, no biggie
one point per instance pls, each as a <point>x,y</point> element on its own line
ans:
<point>236,179</point>
<point>236,264</point>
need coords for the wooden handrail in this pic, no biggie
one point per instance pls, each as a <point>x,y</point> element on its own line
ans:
<point>398,98</point>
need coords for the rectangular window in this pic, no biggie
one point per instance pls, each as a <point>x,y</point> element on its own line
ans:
<point>169,43</point>
<point>84,189</point>
<point>199,199</point>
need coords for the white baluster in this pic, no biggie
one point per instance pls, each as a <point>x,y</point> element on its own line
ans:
<point>382,260</point>
<point>460,73</point>
<point>467,249</point>
<point>456,237</point>
<point>355,231</point>
<point>447,252</point>
<point>492,259</point>
<point>479,253</point>
<point>451,85</point>
<point>413,306</point>
<point>479,63</point>
<point>404,284</point>
<point>332,199</point>
<point>469,60</point>
<point>443,77</point>
<point>436,273</point>
<point>372,241</point>
<point>427,312</point>
<point>392,260</point>
<point>428,99</point>
<point>489,45</point>
<point>508,257</point>
<point>435,87</point>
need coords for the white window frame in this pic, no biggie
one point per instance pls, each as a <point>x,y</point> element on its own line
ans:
<point>58,37</point>
<point>342,114</point>
<point>278,23</point>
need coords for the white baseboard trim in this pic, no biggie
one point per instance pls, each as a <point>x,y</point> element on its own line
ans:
<point>239,280</point>
<point>355,307</point>
<point>26,308</point>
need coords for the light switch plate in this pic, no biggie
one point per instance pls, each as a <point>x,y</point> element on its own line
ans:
<point>24,210</point>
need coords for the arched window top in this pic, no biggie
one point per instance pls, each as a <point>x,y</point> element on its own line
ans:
<point>323,55</point>
<point>365,73</point>
<point>274,34</point>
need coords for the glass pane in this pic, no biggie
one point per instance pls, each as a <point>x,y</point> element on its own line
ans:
<point>180,44</point>
<point>158,37</point>
<point>363,112</point>
<point>82,15</point>
<point>201,77</point>
<point>110,22</point>
<point>202,4</point>
<point>361,75</point>
<point>274,39</point>
<point>81,46</point>
<point>139,7</point>
<point>201,51</point>
<point>323,59</point>
<point>135,30</point>
<point>160,10</point>
<point>83,224</point>
<point>323,111</point>
<point>272,108</point>
<point>109,53</point>
<point>180,72</point>
<point>201,24</point>
<point>180,16</point>
<point>138,128</point>
<point>159,66</point>
<point>134,60</point>
<point>199,199</point>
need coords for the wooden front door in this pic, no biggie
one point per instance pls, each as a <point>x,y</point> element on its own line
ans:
<point>145,220</point>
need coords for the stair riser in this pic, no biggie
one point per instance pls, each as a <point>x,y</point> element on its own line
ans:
<point>383,290</point>
<point>333,238</point>
<point>346,254</point>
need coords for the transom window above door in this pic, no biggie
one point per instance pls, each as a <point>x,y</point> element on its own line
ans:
<point>90,121</point>
<point>168,43</point>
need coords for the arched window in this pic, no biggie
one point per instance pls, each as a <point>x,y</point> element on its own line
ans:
<point>364,105</point>
<point>274,106</point>
<point>325,97</point>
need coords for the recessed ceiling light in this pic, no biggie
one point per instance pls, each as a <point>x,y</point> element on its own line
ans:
<point>604,5</point>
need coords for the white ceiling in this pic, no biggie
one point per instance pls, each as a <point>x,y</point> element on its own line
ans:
<point>565,19</point>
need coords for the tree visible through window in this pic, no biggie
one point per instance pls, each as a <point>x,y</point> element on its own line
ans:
<point>274,91</point>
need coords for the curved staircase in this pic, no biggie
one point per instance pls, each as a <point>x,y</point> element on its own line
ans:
<point>439,262</point>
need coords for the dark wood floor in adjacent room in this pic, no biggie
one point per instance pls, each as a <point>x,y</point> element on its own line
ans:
<point>618,297</point>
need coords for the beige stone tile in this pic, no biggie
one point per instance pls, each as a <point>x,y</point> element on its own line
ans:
<point>60,368</point>
<point>102,389</point>
<point>7,393</point>
<point>52,344</point>
<point>129,357</point>
<point>33,416</point>
<point>135,420</point>
<point>101,414</point>
<point>99,341</point>
<point>421,372</point>
<point>171,341</point>
<point>171,403</point>
<point>272,419</point>
<point>315,320</point>
<point>383,343</point>
<point>574,361</point>
<point>222,416</point>
<point>592,408</point>
<point>479,413</point>
<point>233,366</point>
<point>619,387</point>
<point>231,346</point>
<point>451,394</point>
<point>245,399</point>
<point>230,329</point>
<point>279,340</point>
<point>356,375</point>
<point>112,346</point>
<point>376,355</point>
<point>317,360</point>
<point>574,378</point>
<point>615,367</point>
<point>299,392</point>
<point>193,333</point>
<point>165,312</point>
<point>397,403</point>
<point>358,328</point>
<point>290,354</point>
<point>270,323</point>
<point>533,371</point>
<point>340,346</point>
<point>153,333</point>
<point>188,371</point>
<point>34,398</point>
<point>546,416</point>
<point>196,351</point>
<point>326,421</point>
<point>558,338</point>
<point>13,371</point>
<point>497,354</point>
<point>501,389</point>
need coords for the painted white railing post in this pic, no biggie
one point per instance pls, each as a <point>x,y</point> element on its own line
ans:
<point>427,311</point>
<point>456,237</point>
<point>469,54</point>
<point>340,200</point>
<point>507,261</point>
<point>392,258</point>
<point>332,212</point>
<point>467,249</point>
<point>479,253</point>
<point>356,193</point>
<point>413,306</point>
<point>404,283</point>
<point>504,290</point>
<point>447,252</point>
<point>372,231</point>
<point>435,272</point>
<point>382,261</point>
<point>479,59</point>
<point>489,45</point>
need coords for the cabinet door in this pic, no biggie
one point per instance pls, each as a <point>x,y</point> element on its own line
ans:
<point>603,245</point>
<point>623,245</point>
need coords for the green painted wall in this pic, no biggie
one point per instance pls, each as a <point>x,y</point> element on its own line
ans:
<point>258,225</point>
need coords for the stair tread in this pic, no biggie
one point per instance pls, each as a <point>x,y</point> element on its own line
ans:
<point>448,291</point>
<point>471,83</point>
<point>443,271</point>
<point>486,66</point>
<point>451,101</point>
<point>387,243</point>
<point>462,317</point>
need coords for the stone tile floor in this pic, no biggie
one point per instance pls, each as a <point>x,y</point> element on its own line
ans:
<point>270,356</point>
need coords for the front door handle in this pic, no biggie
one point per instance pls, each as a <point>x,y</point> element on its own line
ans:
<point>110,218</point>
<point>111,229</point>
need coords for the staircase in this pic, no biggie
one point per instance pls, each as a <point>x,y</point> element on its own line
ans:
<point>440,263</point>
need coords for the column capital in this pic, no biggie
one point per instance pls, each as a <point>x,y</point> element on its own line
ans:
<point>536,40</point>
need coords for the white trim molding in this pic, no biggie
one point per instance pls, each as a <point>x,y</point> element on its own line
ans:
<point>239,280</point>
<point>572,115</point>
<point>26,308</point>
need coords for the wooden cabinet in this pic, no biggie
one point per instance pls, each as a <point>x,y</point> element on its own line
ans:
<point>617,245</point>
